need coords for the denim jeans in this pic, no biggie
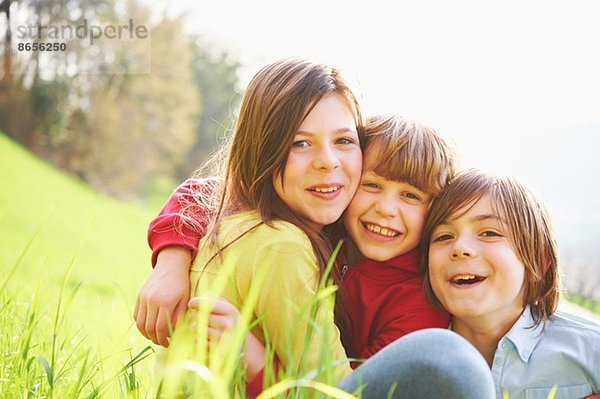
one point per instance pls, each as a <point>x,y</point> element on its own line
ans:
<point>431,363</point>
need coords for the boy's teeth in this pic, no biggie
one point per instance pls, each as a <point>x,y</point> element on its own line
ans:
<point>326,190</point>
<point>381,230</point>
<point>466,279</point>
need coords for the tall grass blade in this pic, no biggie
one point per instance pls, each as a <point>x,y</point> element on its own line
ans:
<point>552,393</point>
<point>48,368</point>
<point>285,385</point>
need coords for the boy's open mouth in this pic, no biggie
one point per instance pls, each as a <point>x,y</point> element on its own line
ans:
<point>466,279</point>
<point>384,231</point>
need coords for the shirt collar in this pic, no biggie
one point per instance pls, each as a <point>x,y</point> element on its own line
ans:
<point>523,336</point>
<point>408,261</point>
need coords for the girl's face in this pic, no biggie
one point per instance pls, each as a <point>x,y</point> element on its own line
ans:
<point>473,269</point>
<point>324,165</point>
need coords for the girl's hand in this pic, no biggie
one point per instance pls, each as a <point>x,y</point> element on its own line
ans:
<point>164,296</point>
<point>222,319</point>
<point>223,316</point>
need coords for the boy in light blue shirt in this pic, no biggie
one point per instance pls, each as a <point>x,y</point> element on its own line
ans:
<point>491,259</point>
<point>564,351</point>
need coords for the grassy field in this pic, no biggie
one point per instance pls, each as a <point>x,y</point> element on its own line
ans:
<point>71,263</point>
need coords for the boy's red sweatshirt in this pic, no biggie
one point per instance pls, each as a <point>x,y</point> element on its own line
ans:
<point>386,301</point>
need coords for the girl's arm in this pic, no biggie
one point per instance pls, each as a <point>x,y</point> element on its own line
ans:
<point>173,239</point>
<point>223,318</point>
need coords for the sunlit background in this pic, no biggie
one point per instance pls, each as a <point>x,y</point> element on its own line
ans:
<point>91,144</point>
<point>516,84</point>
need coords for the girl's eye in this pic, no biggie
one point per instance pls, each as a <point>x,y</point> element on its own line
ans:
<point>300,144</point>
<point>344,141</point>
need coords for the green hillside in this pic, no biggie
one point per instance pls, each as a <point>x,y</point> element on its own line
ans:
<point>108,236</point>
<point>100,240</point>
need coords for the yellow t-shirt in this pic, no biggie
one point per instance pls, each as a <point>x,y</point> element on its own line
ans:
<point>281,256</point>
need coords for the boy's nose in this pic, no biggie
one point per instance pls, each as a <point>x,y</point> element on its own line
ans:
<point>457,253</point>
<point>462,249</point>
<point>386,207</point>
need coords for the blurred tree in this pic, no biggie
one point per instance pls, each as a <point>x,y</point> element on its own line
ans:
<point>216,78</point>
<point>139,126</point>
<point>91,112</point>
<point>36,87</point>
<point>5,18</point>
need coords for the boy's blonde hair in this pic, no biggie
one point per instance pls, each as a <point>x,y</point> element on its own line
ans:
<point>409,151</point>
<point>530,232</point>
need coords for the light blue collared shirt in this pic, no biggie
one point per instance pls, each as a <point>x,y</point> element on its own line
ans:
<point>566,352</point>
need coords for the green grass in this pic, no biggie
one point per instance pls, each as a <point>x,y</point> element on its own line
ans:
<point>77,260</point>
<point>72,262</point>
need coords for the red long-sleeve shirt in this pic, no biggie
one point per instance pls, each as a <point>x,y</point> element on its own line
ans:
<point>172,227</point>
<point>386,301</point>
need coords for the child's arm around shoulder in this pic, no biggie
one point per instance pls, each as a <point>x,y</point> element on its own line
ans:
<point>174,241</point>
<point>173,227</point>
<point>164,295</point>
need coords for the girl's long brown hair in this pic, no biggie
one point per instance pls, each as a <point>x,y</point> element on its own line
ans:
<point>274,105</point>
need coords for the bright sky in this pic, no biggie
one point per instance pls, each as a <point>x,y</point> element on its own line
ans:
<point>470,68</point>
<point>516,84</point>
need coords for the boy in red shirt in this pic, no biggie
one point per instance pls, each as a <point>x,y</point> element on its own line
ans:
<point>406,164</point>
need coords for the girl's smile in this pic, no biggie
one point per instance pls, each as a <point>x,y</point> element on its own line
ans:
<point>326,191</point>
<point>324,164</point>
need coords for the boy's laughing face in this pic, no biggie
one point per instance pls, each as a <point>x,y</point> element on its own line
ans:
<point>474,271</point>
<point>385,218</point>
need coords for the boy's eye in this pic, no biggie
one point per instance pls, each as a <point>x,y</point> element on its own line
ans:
<point>491,233</point>
<point>371,185</point>
<point>442,237</point>
<point>413,196</point>
<point>300,144</point>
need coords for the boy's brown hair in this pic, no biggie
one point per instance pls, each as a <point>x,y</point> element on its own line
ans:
<point>409,151</point>
<point>529,227</point>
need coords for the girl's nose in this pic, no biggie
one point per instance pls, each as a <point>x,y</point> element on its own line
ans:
<point>326,159</point>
